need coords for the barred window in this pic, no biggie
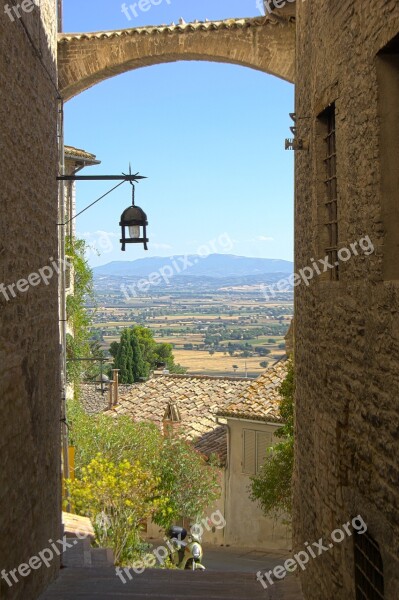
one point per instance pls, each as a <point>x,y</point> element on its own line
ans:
<point>330,219</point>
<point>387,63</point>
<point>369,572</point>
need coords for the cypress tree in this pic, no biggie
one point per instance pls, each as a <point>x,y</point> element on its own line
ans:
<point>138,364</point>
<point>129,359</point>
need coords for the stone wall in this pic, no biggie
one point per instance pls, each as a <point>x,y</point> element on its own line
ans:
<point>266,44</point>
<point>346,331</point>
<point>30,509</point>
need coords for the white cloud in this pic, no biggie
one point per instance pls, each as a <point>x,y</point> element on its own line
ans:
<point>258,238</point>
<point>98,233</point>
<point>263,238</point>
<point>156,246</point>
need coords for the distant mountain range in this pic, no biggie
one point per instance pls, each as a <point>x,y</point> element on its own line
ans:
<point>214,266</point>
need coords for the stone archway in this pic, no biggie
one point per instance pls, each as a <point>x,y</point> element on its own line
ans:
<point>266,44</point>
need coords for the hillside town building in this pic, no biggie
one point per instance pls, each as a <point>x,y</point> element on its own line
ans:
<point>229,419</point>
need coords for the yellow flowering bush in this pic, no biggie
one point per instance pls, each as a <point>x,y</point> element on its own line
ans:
<point>127,471</point>
<point>117,498</point>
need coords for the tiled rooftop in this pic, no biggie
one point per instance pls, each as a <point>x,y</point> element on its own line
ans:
<point>71,152</point>
<point>200,400</point>
<point>197,398</point>
<point>260,400</point>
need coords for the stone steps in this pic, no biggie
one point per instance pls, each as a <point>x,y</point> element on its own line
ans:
<point>103,584</point>
<point>81,554</point>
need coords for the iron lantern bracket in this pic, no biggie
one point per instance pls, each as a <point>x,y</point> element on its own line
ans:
<point>131,178</point>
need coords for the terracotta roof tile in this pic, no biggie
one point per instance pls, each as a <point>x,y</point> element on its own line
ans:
<point>260,401</point>
<point>181,27</point>
<point>214,442</point>
<point>71,152</point>
<point>197,399</point>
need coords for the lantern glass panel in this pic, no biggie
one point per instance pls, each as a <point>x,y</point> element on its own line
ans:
<point>134,231</point>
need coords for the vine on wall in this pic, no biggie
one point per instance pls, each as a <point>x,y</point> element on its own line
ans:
<point>78,317</point>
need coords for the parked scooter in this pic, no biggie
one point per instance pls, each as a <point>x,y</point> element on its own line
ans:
<point>185,554</point>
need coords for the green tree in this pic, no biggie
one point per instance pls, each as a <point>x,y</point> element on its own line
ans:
<point>164,353</point>
<point>272,486</point>
<point>113,349</point>
<point>147,346</point>
<point>186,480</point>
<point>115,439</point>
<point>129,359</point>
<point>152,352</point>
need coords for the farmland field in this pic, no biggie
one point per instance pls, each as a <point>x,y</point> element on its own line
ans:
<point>201,362</point>
<point>221,332</point>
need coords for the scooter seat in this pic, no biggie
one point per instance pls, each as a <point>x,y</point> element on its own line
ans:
<point>176,532</point>
<point>179,543</point>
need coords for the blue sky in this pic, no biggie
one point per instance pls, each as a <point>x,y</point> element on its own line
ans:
<point>209,137</point>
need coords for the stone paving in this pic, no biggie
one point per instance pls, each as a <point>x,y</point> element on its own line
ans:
<point>102,584</point>
<point>230,574</point>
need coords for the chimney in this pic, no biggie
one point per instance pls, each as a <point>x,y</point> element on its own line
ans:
<point>171,420</point>
<point>115,378</point>
<point>110,394</point>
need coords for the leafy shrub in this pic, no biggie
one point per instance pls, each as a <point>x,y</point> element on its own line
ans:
<point>272,486</point>
<point>180,482</point>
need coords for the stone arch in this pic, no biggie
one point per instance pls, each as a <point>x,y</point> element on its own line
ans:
<point>266,44</point>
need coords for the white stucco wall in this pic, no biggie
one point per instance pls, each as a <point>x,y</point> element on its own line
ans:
<point>246,524</point>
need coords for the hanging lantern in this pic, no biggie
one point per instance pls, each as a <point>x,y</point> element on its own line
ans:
<point>135,220</point>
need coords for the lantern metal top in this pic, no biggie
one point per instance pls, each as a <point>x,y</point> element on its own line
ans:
<point>133,215</point>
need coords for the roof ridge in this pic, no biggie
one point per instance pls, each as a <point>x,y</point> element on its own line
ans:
<point>80,152</point>
<point>188,376</point>
<point>231,23</point>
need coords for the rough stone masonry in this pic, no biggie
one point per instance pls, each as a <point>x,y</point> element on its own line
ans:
<point>30,509</point>
<point>347,331</point>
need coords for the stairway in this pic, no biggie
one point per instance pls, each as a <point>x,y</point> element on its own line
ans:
<point>81,554</point>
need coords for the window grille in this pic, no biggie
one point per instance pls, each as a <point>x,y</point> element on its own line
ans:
<point>331,197</point>
<point>369,573</point>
